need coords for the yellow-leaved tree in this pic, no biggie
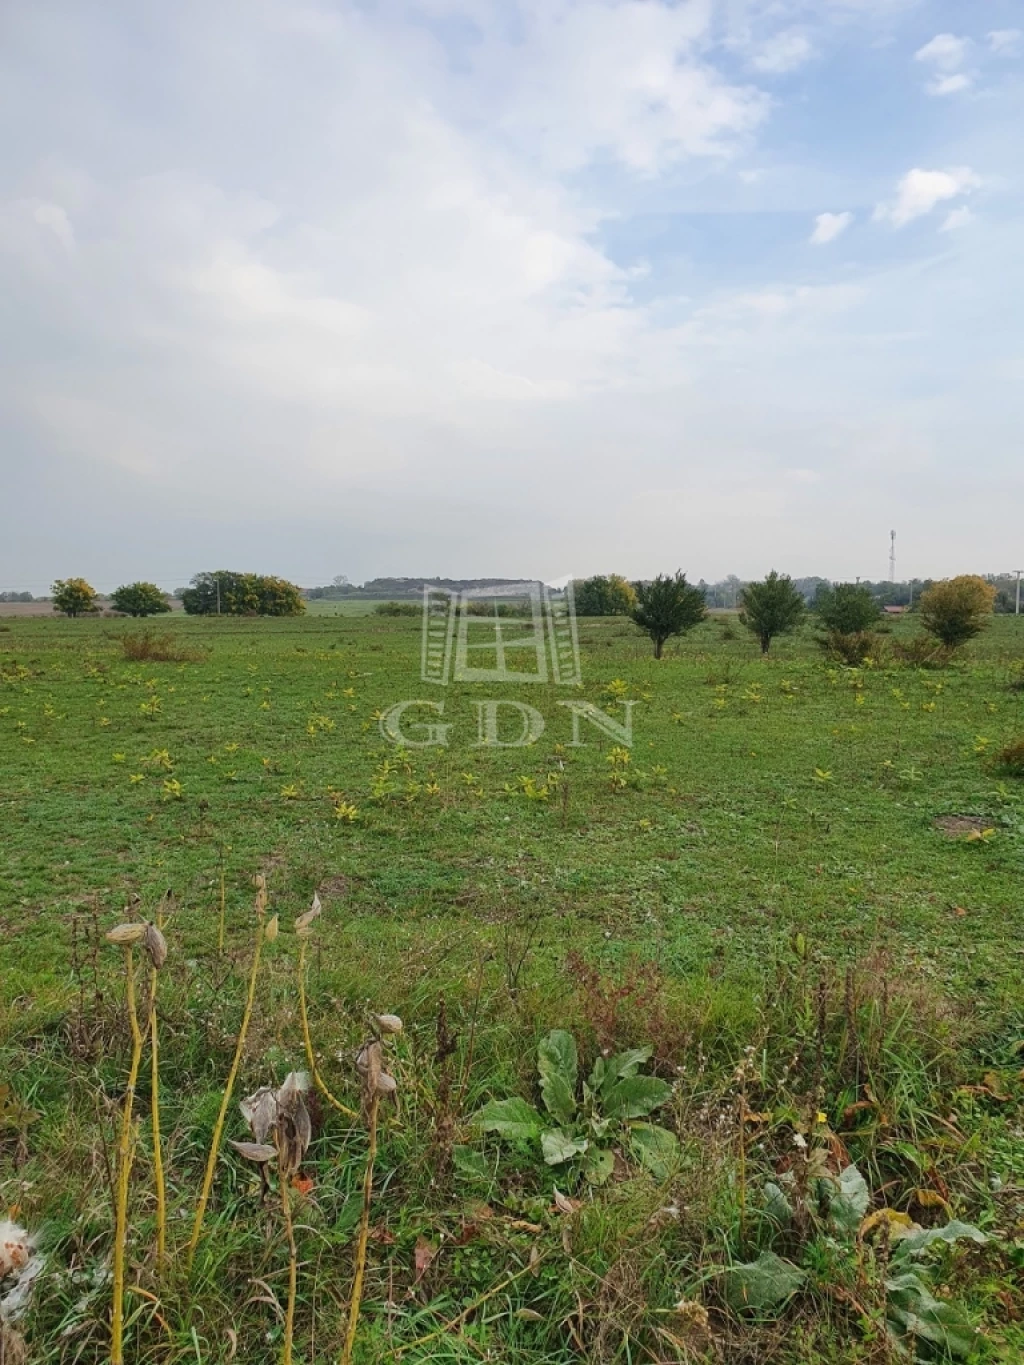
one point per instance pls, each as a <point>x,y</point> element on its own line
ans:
<point>955,610</point>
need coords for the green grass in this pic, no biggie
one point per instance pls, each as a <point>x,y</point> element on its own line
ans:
<point>765,872</point>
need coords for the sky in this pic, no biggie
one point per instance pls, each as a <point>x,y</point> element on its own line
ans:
<point>510,288</point>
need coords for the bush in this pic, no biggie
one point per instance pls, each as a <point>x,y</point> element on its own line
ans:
<point>139,599</point>
<point>846,609</point>
<point>851,647</point>
<point>772,607</point>
<point>604,595</point>
<point>921,652</point>
<point>397,609</point>
<point>954,610</point>
<point>1010,759</point>
<point>74,597</point>
<point>152,648</point>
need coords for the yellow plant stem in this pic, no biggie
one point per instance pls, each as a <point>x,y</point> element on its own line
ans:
<point>289,1320</point>
<point>229,1085</point>
<point>307,1038</point>
<point>125,1156</point>
<point>364,1233</point>
<point>154,1104</point>
<point>223,907</point>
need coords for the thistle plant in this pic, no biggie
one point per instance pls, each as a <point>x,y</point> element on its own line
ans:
<point>263,931</point>
<point>377,1084</point>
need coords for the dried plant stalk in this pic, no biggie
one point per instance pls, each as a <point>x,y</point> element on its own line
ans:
<point>318,1080</point>
<point>159,1182</point>
<point>125,1156</point>
<point>229,1084</point>
<point>293,1262</point>
<point>364,1233</point>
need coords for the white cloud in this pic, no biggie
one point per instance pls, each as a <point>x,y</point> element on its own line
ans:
<point>945,51</point>
<point>920,191</point>
<point>783,53</point>
<point>829,226</point>
<point>1006,42</point>
<point>950,85</point>
<point>957,218</point>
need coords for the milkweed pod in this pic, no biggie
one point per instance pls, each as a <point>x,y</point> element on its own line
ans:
<point>271,930</point>
<point>255,1151</point>
<point>386,1084</point>
<point>305,922</point>
<point>388,1023</point>
<point>127,933</point>
<point>156,946</point>
<point>260,1111</point>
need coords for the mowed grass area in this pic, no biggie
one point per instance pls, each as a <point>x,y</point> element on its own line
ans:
<point>765,888</point>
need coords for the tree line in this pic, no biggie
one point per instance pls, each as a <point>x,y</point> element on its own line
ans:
<point>221,592</point>
<point>951,612</point>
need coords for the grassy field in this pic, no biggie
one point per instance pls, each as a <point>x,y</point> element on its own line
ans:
<point>802,888</point>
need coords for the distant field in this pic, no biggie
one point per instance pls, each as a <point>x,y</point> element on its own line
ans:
<point>810,873</point>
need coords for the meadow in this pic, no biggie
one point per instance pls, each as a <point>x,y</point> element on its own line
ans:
<point>801,889</point>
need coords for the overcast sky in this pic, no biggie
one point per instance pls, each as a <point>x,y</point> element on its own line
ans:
<point>510,287</point>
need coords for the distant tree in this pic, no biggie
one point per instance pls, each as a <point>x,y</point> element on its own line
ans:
<point>74,597</point>
<point>242,594</point>
<point>667,606</point>
<point>139,599</point>
<point>846,608</point>
<point>16,597</point>
<point>340,580</point>
<point>603,595</point>
<point>771,607</point>
<point>954,610</point>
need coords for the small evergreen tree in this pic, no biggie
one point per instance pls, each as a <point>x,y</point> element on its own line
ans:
<point>667,606</point>
<point>139,599</point>
<point>74,596</point>
<point>771,607</point>
<point>954,610</point>
<point>846,608</point>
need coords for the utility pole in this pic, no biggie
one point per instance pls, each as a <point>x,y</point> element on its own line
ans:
<point>1018,573</point>
<point>218,594</point>
<point>892,556</point>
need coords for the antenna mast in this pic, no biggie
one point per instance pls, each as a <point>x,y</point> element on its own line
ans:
<point>892,556</point>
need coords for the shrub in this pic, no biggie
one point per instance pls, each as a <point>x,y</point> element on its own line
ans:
<point>922,652</point>
<point>851,647</point>
<point>772,607</point>
<point>846,609</point>
<point>74,597</point>
<point>667,605</point>
<point>954,610</point>
<point>397,609</point>
<point>150,647</point>
<point>1010,759</point>
<point>139,599</point>
<point>604,595</point>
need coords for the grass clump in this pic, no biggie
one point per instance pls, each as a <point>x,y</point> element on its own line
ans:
<point>148,646</point>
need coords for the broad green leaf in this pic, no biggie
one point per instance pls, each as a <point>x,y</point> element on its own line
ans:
<point>558,1064</point>
<point>634,1096</point>
<point>599,1165</point>
<point>656,1148</point>
<point>915,1242</point>
<point>559,1146</point>
<point>762,1283</point>
<point>848,1202</point>
<point>776,1205</point>
<point>513,1119</point>
<point>607,1070</point>
<point>471,1163</point>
